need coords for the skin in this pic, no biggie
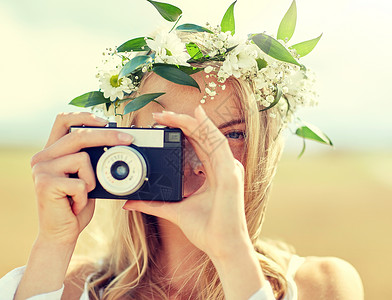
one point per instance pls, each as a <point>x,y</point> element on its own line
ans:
<point>210,219</point>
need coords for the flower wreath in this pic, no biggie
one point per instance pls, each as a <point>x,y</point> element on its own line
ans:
<point>279,81</point>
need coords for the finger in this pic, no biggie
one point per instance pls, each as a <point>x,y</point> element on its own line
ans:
<point>78,193</point>
<point>65,120</point>
<point>221,156</point>
<point>212,137</point>
<point>200,129</point>
<point>240,168</point>
<point>212,144</point>
<point>59,189</point>
<point>69,164</point>
<point>79,139</point>
<point>87,213</point>
<point>189,126</point>
<point>159,209</point>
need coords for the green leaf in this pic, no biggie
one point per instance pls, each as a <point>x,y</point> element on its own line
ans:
<point>135,63</point>
<point>276,100</point>
<point>303,149</point>
<point>287,25</point>
<point>288,104</point>
<point>174,74</point>
<point>136,44</point>
<point>194,51</point>
<point>192,28</point>
<point>273,48</point>
<point>306,47</point>
<point>311,132</point>
<point>90,99</point>
<point>190,70</point>
<point>140,101</point>
<point>261,63</point>
<point>228,23</point>
<point>169,12</point>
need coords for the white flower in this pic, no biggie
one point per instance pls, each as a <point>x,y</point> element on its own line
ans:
<point>270,99</point>
<point>101,111</point>
<point>294,81</point>
<point>213,53</point>
<point>222,36</point>
<point>272,115</point>
<point>114,87</point>
<point>265,103</point>
<point>168,48</point>
<point>259,82</point>
<point>240,60</point>
<point>209,92</point>
<point>219,44</point>
<point>208,69</point>
<point>233,40</point>
<point>222,75</point>
<point>115,61</point>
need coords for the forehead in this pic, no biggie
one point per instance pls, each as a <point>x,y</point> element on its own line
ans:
<point>225,105</point>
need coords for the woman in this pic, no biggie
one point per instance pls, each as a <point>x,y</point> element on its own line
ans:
<point>210,224</point>
<point>207,246</point>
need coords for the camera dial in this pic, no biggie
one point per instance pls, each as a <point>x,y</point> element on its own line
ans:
<point>121,170</point>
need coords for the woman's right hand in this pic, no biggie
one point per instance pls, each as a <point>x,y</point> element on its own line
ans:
<point>61,222</point>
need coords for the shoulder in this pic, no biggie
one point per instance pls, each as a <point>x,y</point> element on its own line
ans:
<point>75,281</point>
<point>328,278</point>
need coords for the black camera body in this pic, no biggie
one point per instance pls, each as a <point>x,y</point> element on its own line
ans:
<point>151,168</point>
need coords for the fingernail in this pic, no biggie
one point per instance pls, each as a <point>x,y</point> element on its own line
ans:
<point>157,115</point>
<point>168,112</point>
<point>126,208</point>
<point>124,137</point>
<point>201,109</point>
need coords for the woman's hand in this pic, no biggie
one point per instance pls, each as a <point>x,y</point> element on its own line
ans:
<point>63,207</point>
<point>213,218</point>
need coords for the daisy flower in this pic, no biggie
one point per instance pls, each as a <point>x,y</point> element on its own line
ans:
<point>114,87</point>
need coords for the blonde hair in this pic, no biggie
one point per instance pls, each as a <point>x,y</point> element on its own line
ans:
<point>129,269</point>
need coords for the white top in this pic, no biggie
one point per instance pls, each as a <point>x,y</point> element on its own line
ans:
<point>9,283</point>
<point>294,264</point>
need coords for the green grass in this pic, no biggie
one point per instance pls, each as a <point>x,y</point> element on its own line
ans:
<point>335,204</point>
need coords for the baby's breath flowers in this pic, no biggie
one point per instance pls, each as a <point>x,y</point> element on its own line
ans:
<point>271,67</point>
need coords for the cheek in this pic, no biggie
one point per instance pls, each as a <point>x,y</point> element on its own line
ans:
<point>238,150</point>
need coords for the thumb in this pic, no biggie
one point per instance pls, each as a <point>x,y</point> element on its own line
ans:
<point>161,209</point>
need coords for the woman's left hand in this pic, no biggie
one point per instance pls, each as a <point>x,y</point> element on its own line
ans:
<point>213,218</point>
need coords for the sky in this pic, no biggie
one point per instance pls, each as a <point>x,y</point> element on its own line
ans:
<point>50,50</point>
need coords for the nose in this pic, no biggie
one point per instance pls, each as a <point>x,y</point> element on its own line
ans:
<point>194,172</point>
<point>192,163</point>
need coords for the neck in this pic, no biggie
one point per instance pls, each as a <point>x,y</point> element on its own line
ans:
<point>178,256</point>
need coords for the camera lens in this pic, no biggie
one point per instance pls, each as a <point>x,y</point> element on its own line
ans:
<point>119,170</point>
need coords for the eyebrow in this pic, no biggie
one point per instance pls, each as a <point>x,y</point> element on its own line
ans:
<point>230,123</point>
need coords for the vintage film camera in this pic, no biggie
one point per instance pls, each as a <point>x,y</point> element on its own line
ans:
<point>151,168</point>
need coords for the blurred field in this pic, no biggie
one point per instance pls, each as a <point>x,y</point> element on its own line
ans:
<point>335,204</point>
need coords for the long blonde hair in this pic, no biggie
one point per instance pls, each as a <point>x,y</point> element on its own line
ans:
<point>129,269</point>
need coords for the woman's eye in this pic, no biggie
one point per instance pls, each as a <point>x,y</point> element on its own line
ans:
<point>237,135</point>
